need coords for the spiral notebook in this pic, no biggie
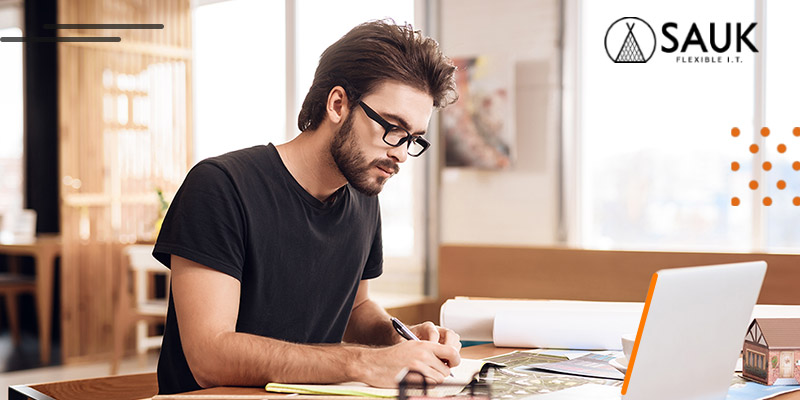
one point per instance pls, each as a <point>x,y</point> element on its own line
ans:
<point>462,375</point>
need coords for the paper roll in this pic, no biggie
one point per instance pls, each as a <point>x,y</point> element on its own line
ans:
<point>597,326</point>
<point>556,323</point>
<point>474,319</point>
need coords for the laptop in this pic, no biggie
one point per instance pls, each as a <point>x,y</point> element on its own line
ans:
<point>691,331</point>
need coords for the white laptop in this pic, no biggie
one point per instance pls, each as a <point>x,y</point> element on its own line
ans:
<point>691,331</point>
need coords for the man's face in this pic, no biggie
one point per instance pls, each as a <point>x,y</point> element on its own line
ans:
<point>358,149</point>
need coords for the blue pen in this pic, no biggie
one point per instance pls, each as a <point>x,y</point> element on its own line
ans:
<point>406,333</point>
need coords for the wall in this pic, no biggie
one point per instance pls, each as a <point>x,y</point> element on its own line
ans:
<point>561,273</point>
<point>519,205</point>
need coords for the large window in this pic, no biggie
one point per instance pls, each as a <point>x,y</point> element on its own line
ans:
<point>241,97</point>
<point>782,115</point>
<point>656,147</point>
<point>239,75</point>
<point>11,113</point>
<point>402,203</point>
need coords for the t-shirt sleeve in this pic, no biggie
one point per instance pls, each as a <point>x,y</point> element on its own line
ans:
<point>205,222</point>
<point>374,267</point>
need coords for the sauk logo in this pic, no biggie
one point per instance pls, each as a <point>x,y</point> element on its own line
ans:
<point>630,40</point>
<point>633,40</point>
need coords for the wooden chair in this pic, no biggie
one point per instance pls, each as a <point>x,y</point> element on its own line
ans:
<point>16,227</point>
<point>144,309</point>
<point>44,249</point>
<point>12,285</point>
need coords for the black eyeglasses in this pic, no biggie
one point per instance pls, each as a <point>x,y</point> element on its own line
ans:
<point>395,135</point>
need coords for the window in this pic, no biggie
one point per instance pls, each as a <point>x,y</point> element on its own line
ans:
<point>11,112</point>
<point>239,75</point>
<point>241,96</point>
<point>655,145</point>
<point>402,203</point>
<point>781,85</point>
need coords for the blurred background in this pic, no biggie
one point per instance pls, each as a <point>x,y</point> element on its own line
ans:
<point>552,144</point>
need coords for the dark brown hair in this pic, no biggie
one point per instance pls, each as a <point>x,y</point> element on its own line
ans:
<point>371,53</point>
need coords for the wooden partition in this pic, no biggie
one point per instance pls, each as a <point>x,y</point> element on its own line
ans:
<point>574,274</point>
<point>124,130</point>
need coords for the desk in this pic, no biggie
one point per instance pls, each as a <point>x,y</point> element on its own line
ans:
<point>145,386</point>
<point>44,251</point>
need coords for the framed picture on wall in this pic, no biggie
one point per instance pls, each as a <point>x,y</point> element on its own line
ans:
<point>478,130</point>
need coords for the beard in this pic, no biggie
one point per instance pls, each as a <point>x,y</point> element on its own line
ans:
<point>352,163</point>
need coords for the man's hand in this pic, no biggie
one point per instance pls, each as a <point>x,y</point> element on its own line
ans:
<point>432,333</point>
<point>380,366</point>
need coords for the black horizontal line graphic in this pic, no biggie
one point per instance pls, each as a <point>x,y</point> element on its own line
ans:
<point>59,39</point>
<point>104,26</point>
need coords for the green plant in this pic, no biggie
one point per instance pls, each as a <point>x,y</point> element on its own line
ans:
<point>162,212</point>
<point>163,202</point>
<point>774,361</point>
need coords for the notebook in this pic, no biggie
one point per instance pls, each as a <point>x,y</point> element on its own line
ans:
<point>462,375</point>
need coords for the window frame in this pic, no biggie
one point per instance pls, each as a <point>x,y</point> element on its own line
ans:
<point>576,210</point>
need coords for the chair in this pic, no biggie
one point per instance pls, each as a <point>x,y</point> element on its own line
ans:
<point>12,285</point>
<point>137,260</point>
<point>18,226</point>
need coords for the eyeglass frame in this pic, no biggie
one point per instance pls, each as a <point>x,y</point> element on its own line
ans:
<point>388,127</point>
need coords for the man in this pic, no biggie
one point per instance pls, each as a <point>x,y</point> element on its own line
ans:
<point>272,247</point>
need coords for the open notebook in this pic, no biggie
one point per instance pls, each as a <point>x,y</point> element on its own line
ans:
<point>462,375</point>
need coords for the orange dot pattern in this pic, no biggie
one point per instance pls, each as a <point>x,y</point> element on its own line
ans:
<point>766,166</point>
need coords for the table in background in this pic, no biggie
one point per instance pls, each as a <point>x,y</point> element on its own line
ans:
<point>44,250</point>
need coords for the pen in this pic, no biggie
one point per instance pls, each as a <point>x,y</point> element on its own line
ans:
<point>406,333</point>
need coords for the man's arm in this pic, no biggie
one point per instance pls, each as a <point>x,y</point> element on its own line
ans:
<point>370,324</point>
<point>207,305</point>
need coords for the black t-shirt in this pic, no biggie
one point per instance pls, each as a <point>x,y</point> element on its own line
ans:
<point>299,260</point>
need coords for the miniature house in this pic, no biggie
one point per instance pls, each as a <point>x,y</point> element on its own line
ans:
<point>771,353</point>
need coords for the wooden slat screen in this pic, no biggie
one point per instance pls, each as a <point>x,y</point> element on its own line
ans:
<point>124,130</point>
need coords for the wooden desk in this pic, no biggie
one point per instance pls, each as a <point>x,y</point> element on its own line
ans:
<point>123,387</point>
<point>44,251</point>
<point>145,386</point>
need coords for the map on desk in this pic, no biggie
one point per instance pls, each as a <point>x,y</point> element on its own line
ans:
<point>742,389</point>
<point>591,365</point>
<point>517,381</point>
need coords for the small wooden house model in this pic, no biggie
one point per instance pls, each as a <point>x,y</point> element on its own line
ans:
<point>771,353</point>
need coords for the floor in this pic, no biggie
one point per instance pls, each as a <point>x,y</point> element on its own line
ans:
<point>26,355</point>
<point>20,365</point>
